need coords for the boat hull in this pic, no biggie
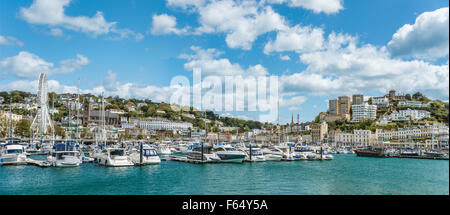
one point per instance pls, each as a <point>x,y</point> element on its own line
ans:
<point>363,153</point>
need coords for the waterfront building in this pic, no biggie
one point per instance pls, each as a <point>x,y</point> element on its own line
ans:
<point>340,137</point>
<point>438,131</point>
<point>380,101</point>
<point>363,137</point>
<point>363,111</point>
<point>357,99</point>
<point>319,131</point>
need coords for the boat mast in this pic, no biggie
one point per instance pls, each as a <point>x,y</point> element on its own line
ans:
<point>10,119</point>
<point>103,120</point>
<point>78,137</point>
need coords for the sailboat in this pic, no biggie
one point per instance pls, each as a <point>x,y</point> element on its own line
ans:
<point>12,153</point>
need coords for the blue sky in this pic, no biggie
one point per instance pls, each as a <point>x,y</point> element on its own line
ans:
<point>134,48</point>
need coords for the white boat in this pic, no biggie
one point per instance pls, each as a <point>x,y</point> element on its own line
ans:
<point>64,155</point>
<point>13,154</point>
<point>149,156</point>
<point>272,154</point>
<point>229,154</point>
<point>326,155</point>
<point>163,149</point>
<point>304,153</point>
<point>195,153</point>
<point>254,154</point>
<point>113,157</point>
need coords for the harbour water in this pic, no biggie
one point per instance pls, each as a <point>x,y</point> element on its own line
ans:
<point>346,174</point>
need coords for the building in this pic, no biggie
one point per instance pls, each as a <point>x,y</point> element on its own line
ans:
<point>357,99</point>
<point>412,104</point>
<point>164,124</point>
<point>95,116</point>
<point>363,137</point>
<point>409,114</point>
<point>8,115</point>
<point>344,105</point>
<point>333,107</point>
<point>2,99</point>
<point>380,101</point>
<point>338,109</point>
<point>363,111</point>
<point>319,132</point>
<point>393,96</point>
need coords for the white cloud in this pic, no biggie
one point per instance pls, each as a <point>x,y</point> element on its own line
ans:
<point>345,68</point>
<point>241,21</point>
<point>8,40</point>
<point>28,65</point>
<point>52,14</point>
<point>186,4</point>
<point>209,63</point>
<point>317,6</point>
<point>56,32</point>
<point>165,24</point>
<point>298,39</point>
<point>426,38</point>
<point>285,57</point>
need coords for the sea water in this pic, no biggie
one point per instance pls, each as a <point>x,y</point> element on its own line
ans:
<point>346,174</point>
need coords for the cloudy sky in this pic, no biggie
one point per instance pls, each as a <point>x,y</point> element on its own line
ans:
<point>319,49</point>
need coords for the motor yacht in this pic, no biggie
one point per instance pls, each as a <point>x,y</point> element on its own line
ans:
<point>163,149</point>
<point>13,154</point>
<point>149,156</point>
<point>304,153</point>
<point>202,152</point>
<point>113,157</point>
<point>229,154</point>
<point>64,155</point>
<point>254,154</point>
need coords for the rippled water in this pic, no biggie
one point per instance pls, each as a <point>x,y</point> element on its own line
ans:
<point>346,174</point>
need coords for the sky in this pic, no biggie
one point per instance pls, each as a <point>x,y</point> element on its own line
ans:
<point>318,49</point>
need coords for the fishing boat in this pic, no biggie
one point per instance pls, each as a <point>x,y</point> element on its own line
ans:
<point>13,154</point>
<point>113,157</point>
<point>149,156</point>
<point>64,155</point>
<point>229,154</point>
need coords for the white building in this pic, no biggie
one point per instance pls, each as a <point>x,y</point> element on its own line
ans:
<point>364,137</point>
<point>407,114</point>
<point>13,116</point>
<point>161,124</point>
<point>363,111</point>
<point>380,101</point>
<point>412,104</point>
<point>2,100</point>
